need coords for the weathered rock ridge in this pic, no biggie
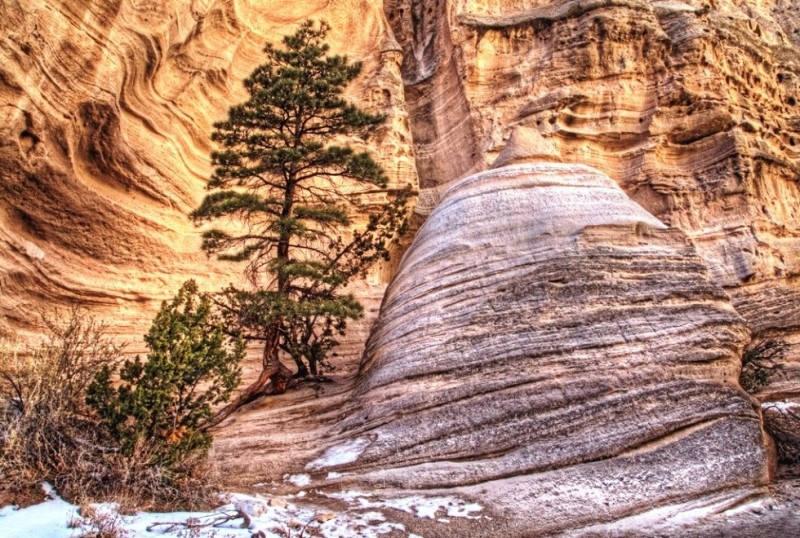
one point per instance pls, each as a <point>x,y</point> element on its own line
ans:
<point>546,341</point>
<point>692,107</point>
<point>548,337</point>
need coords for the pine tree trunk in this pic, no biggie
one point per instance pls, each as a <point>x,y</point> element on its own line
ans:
<point>302,370</point>
<point>273,379</point>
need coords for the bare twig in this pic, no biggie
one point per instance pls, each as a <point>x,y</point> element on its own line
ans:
<point>216,519</point>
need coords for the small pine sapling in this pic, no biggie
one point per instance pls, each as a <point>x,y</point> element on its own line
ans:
<point>162,405</point>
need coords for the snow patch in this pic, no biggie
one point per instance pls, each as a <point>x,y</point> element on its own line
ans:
<point>429,507</point>
<point>50,518</point>
<point>333,474</point>
<point>364,518</point>
<point>373,516</point>
<point>299,480</point>
<point>346,452</point>
<point>461,509</point>
<point>56,518</point>
<point>418,505</point>
<point>348,496</point>
<point>781,406</point>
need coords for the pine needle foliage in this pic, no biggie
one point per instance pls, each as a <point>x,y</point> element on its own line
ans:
<point>305,210</point>
<point>49,433</point>
<point>164,402</point>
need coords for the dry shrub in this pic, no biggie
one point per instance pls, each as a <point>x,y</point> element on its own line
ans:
<point>135,483</point>
<point>94,523</point>
<point>783,424</point>
<point>46,430</point>
<point>760,362</point>
<point>48,433</point>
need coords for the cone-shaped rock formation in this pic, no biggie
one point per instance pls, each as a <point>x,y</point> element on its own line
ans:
<point>548,347</point>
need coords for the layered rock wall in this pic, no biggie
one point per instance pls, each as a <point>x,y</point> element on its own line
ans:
<point>106,111</point>
<point>549,349</point>
<point>692,107</point>
<point>546,342</point>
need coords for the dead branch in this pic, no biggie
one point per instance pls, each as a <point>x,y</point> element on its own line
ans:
<point>216,519</point>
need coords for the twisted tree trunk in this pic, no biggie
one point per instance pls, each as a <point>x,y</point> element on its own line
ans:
<point>273,379</point>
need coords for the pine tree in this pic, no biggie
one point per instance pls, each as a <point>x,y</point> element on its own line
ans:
<point>164,404</point>
<point>297,193</point>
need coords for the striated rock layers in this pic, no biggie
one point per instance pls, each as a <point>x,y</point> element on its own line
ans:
<point>551,350</point>
<point>691,106</point>
<point>106,105</point>
<point>547,347</point>
<point>106,109</point>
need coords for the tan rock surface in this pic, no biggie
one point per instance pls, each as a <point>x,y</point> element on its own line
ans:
<point>693,107</point>
<point>548,349</point>
<point>106,110</point>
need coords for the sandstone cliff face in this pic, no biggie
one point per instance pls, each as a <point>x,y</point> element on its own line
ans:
<point>106,111</point>
<point>693,108</point>
<point>569,344</point>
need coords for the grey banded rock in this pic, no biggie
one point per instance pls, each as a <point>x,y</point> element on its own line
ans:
<point>551,349</point>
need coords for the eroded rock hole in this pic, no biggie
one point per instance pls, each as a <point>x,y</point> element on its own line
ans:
<point>28,140</point>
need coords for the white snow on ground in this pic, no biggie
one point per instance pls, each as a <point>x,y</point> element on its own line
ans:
<point>49,519</point>
<point>781,406</point>
<point>333,475</point>
<point>275,517</point>
<point>421,507</point>
<point>429,507</point>
<point>299,480</point>
<point>340,454</point>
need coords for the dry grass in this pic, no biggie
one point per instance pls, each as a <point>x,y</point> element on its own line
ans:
<point>93,523</point>
<point>783,424</point>
<point>47,433</point>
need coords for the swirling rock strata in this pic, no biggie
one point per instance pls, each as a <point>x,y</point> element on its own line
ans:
<point>107,107</point>
<point>550,349</point>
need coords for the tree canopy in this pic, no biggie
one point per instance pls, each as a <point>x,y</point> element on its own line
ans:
<point>165,402</point>
<point>303,208</point>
